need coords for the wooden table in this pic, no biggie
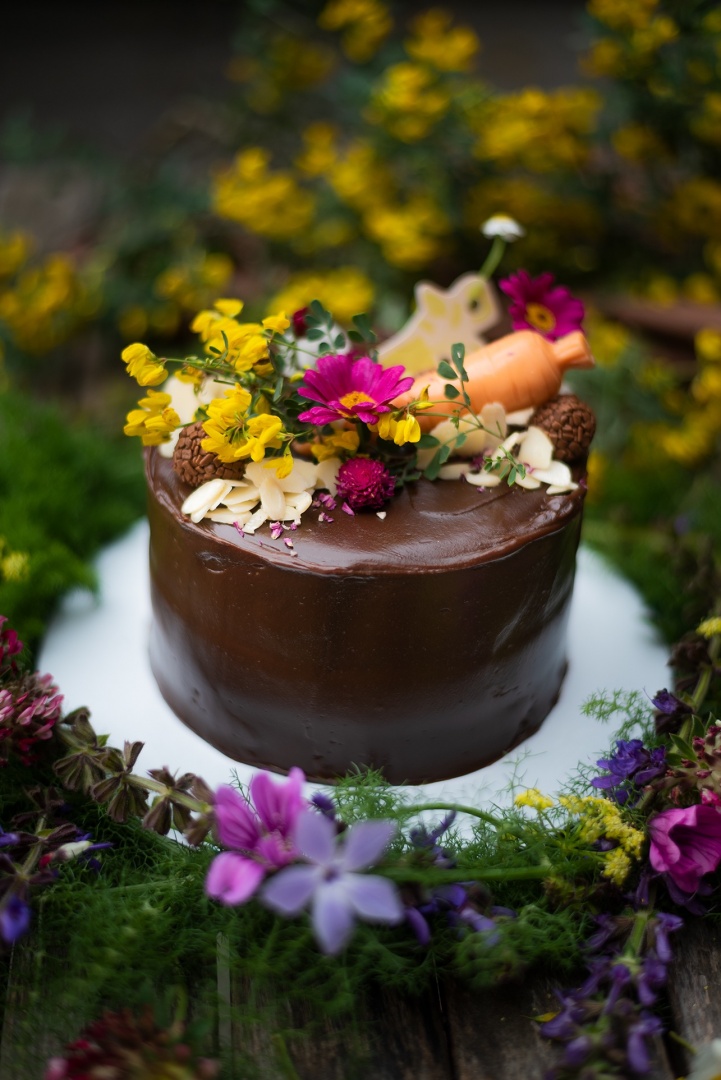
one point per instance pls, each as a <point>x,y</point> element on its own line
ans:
<point>449,1033</point>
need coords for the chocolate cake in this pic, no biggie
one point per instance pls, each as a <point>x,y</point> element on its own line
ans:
<point>426,642</point>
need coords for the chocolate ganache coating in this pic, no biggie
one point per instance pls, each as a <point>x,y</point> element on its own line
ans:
<point>426,644</point>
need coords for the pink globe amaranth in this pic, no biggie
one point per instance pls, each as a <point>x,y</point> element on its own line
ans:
<point>365,484</point>
<point>686,844</point>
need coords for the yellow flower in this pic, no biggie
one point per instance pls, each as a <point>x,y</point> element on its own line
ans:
<point>15,565</point>
<point>623,14</point>
<point>366,25</point>
<point>408,101</point>
<point>143,365</point>
<point>14,250</point>
<point>708,344</point>
<point>406,430</point>
<point>230,308</point>
<point>232,435</point>
<point>709,627</point>
<point>344,292</point>
<point>616,866</point>
<point>320,152</point>
<point>534,798</point>
<point>154,421</point>
<point>437,43</point>
<point>271,204</point>
<point>342,441</point>
<point>277,323</point>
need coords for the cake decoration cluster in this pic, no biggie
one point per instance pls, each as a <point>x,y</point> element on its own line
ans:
<point>269,413</point>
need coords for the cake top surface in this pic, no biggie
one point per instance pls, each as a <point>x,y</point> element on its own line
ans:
<point>429,526</point>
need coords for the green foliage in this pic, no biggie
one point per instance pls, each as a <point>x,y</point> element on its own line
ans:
<point>64,492</point>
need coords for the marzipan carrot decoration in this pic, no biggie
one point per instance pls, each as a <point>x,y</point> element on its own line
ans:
<point>518,370</point>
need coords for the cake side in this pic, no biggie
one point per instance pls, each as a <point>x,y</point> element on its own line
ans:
<point>423,660</point>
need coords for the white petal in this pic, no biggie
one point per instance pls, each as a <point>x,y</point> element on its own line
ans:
<point>454,471</point>
<point>493,418</point>
<point>272,498</point>
<point>536,448</point>
<point>255,521</point>
<point>239,506</point>
<point>301,477</point>
<point>529,482</point>
<point>556,473</point>
<point>299,503</point>
<point>326,474</point>
<point>483,479</point>
<point>520,417</point>
<point>227,517</point>
<point>204,498</point>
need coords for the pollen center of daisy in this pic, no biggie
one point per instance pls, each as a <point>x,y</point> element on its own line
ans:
<point>355,397</point>
<point>540,316</point>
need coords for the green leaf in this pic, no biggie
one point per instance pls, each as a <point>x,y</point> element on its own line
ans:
<point>444,453</point>
<point>363,325</point>
<point>460,439</point>
<point>684,748</point>
<point>355,336</point>
<point>319,312</point>
<point>315,335</point>
<point>451,391</point>
<point>433,467</point>
<point>458,352</point>
<point>427,441</point>
<point>445,370</point>
<point>278,390</point>
<point>324,348</point>
<point>339,341</point>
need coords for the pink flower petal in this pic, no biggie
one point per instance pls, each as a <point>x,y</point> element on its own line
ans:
<point>238,826</point>
<point>232,879</point>
<point>278,803</point>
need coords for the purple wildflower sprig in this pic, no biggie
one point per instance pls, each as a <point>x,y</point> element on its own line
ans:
<point>606,1025</point>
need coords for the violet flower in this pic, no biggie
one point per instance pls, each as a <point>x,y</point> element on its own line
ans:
<point>686,844</point>
<point>259,831</point>
<point>14,919</point>
<point>630,768</point>
<point>331,883</point>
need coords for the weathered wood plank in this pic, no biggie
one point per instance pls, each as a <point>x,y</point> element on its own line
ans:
<point>390,1037</point>
<point>494,1037</point>
<point>695,981</point>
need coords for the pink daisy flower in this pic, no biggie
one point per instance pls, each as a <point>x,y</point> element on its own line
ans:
<point>349,389</point>
<point>540,305</point>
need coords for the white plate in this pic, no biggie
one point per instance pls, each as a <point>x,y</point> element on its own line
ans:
<point>97,652</point>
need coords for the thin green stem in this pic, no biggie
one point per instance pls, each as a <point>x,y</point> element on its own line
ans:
<point>493,257</point>
<point>472,811</point>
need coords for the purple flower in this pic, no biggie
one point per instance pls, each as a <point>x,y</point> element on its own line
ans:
<point>349,389</point>
<point>331,884</point>
<point>541,306</point>
<point>630,767</point>
<point>365,484</point>
<point>686,844</point>
<point>14,919</point>
<point>258,831</point>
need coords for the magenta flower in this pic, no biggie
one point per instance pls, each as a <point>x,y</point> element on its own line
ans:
<point>331,884</point>
<point>686,844</point>
<point>259,831</point>
<point>364,484</point>
<point>541,306</point>
<point>350,389</point>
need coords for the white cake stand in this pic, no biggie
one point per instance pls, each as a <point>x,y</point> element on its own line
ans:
<point>97,651</point>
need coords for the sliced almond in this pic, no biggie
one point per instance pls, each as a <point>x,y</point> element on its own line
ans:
<point>454,471</point>
<point>272,498</point>
<point>205,498</point>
